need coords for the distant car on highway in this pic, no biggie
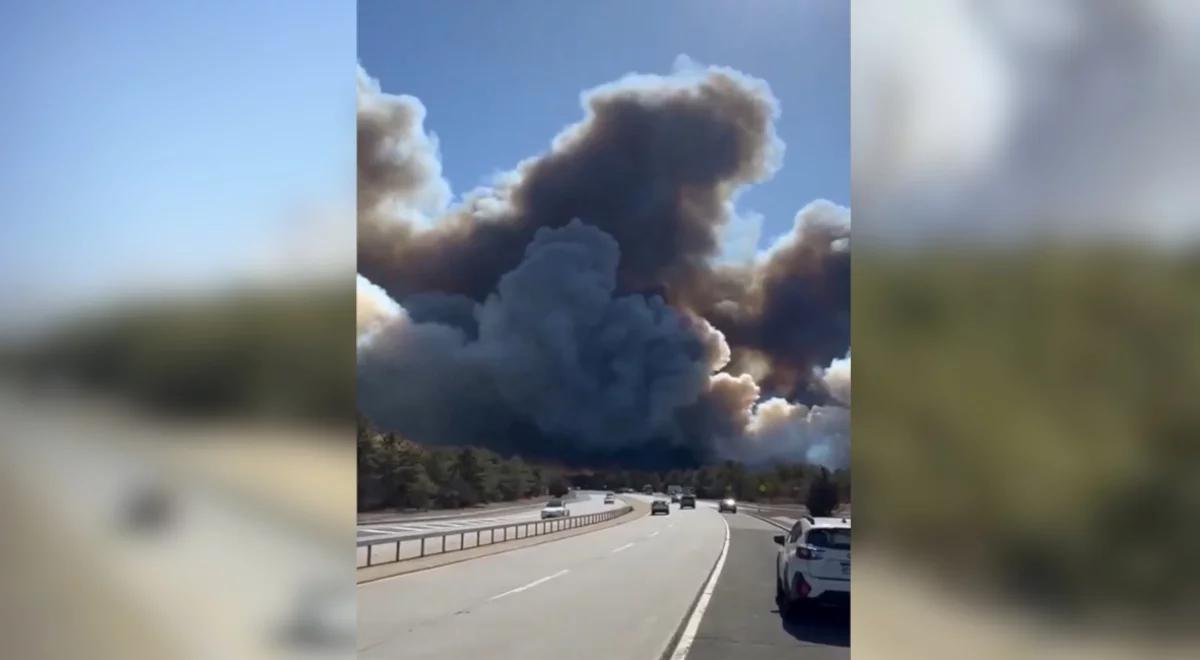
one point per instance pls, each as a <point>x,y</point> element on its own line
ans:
<point>660,506</point>
<point>610,498</point>
<point>674,498</point>
<point>813,565</point>
<point>555,509</point>
<point>648,489</point>
<point>727,504</point>
<point>687,501</point>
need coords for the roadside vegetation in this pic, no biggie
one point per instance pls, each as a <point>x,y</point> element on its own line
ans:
<point>264,353</point>
<point>1028,416</point>
<point>396,473</point>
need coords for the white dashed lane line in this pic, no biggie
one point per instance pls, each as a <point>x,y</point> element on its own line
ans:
<point>624,547</point>
<point>531,584</point>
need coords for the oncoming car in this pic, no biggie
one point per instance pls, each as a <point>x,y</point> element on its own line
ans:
<point>727,504</point>
<point>555,509</point>
<point>660,506</point>
<point>814,563</point>
<point>610,498</point>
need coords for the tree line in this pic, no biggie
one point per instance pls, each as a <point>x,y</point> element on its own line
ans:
<point>820,489</point>
<point>397,473</point>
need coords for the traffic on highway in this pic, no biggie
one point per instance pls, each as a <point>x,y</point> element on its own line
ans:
<point>694,583</point>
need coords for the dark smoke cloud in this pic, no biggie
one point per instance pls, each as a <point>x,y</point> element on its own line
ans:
<point>653,164</point>
<point>576,309</point>
<point>788,314</point>
<point>554,347</point>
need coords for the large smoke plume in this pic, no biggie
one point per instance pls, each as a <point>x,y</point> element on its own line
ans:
<point>577,308</point>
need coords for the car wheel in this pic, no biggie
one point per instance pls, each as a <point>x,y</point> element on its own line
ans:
<point>779,594</point>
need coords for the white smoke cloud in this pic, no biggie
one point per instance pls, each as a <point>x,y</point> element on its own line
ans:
<point>819,217</point>
<point>400,165</point>
<point>777,429</point>
<point>374,310</point>
<point>836,379</point>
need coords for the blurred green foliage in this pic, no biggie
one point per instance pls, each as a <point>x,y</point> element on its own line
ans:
<point>1031,416</point>
<point>273,353</point>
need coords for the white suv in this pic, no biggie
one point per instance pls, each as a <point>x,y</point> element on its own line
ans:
<point>814,563</point>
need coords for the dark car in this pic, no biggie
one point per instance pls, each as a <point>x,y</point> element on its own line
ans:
<point>687,501</point>
<point>660,506</point>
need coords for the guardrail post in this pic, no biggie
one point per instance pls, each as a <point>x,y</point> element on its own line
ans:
<point>369,548</point>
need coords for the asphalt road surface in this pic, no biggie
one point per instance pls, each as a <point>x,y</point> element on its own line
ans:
<point>584,502</point>
<point>742,620</point>
<point>619,592</point>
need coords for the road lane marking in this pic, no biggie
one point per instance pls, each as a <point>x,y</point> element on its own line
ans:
<point>693,625</point>
<point>654,534</point>
<point>624,547</point>
<point>531,584</point>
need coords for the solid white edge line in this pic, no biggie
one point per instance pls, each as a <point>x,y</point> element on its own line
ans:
<point>693,625</point>
<point>531,584</point>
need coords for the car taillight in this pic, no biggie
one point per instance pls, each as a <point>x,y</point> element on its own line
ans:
<point>803,552</point>
<point>801,587</point>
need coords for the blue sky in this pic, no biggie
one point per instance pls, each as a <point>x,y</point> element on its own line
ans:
<point>500,79</point>
<point>145,141</point>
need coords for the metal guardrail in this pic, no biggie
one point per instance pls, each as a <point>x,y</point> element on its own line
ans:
<point>415,546</point>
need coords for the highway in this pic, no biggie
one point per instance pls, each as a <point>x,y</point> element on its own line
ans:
<point>583,503</point>
<point>742,620</point>
<point>619,592</point>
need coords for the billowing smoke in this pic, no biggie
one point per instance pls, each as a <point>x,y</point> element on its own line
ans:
<point>577,309</point>
<point>836,379</point>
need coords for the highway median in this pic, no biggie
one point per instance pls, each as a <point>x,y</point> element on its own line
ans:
<point>379,559</point>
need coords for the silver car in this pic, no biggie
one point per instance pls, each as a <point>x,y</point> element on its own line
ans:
<point>555,509</point>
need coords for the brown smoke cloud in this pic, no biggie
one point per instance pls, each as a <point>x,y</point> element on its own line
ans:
<point>676,358</point>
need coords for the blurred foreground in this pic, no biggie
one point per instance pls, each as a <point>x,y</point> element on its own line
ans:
<point>177,330</point>
<point>1026,303</point>
<point>130,536</point>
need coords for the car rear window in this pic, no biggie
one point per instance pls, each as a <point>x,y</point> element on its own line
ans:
<point>834,538</point>
<point>554,503</point>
